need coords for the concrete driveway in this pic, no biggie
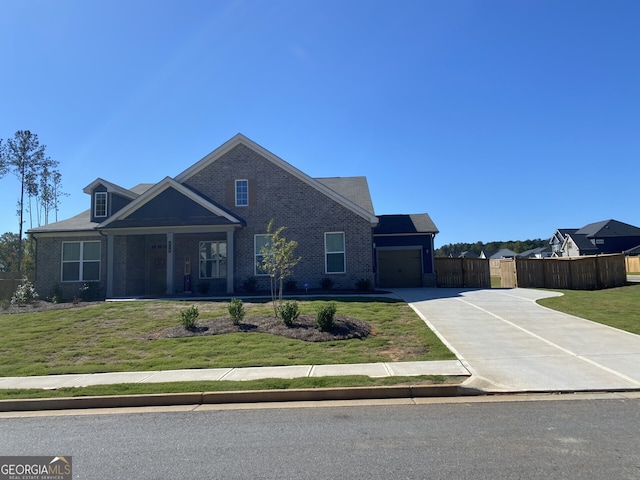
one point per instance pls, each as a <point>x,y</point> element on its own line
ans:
<point>512,344</point>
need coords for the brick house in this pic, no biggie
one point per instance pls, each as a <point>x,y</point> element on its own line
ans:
<point>202,230</point>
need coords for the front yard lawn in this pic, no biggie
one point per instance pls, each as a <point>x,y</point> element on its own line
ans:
<point>127,336</point>
<point>616,307</point>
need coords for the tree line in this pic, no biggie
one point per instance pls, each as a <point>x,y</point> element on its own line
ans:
<point>518,246</point>
<point>40,184</point>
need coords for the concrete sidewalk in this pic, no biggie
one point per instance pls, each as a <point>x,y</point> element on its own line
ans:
<point>409,369</point>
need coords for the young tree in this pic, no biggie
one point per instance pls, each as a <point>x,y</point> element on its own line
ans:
<point>25,158</point>
<point>278,261</point>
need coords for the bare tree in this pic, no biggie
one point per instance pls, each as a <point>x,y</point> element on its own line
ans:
<point>25,158</point>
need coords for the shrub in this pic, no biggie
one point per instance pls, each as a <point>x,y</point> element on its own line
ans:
<point>324,316</point>
<point>289,312</point>
<point>326,284</point>
<point>56,294</point>
<point>363,285</point>
<point>290,285</point>
<point>188,317</point>
<point>89,292</point>
<point>250,285</point>
<point>203,288</point>
<point>236,310</point>
<point>25,293</point>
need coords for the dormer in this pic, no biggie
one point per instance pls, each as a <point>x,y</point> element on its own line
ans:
<point>107,198</point>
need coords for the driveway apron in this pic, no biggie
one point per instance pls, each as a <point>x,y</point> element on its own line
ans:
<point>511,344</point>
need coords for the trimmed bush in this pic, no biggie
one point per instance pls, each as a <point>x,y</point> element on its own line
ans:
<point>289,312</point>
<point>363,285</point>
<point>188,317</point>
<point>236,310</point>
<point>326,283</point>
<point>324,316</point>
<point>250,285</point>
<point>290,286</point>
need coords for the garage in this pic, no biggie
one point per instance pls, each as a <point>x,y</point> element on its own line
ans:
<point>400,268</point>
<point>403,251</point>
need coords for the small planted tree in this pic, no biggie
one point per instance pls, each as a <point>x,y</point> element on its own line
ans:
<point>278,261</point>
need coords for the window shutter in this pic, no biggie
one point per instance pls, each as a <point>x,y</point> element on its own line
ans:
<point>231,193</point>
<point>253,201</point>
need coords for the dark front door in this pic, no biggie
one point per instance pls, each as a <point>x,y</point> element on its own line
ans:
<point>157,268</point>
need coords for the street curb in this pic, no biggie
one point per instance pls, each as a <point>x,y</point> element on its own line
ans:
<point>245,396</point>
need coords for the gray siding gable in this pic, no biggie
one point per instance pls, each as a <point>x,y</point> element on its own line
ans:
<point>169,208</point>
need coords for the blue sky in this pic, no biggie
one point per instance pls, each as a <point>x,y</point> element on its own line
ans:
<point>504,120</point>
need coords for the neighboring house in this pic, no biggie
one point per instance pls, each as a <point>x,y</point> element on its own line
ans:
<point>465,254</point>
<point>498,254</point>
<point>557,240</point>
<point>632,252</point>
<point>608,236</point>
<point>540,252</point>
<point>203,230</point>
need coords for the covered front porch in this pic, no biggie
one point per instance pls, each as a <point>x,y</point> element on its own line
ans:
<point>154,262</point>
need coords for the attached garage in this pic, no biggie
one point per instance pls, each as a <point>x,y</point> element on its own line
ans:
<point>403,246</point>
<point>400,268</point>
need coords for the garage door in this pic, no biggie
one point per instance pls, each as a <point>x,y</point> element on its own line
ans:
<point>400,268</point>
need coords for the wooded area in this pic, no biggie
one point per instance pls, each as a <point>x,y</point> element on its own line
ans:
<point>517,246</point>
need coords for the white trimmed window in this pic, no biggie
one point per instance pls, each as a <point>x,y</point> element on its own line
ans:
<point>213,259</point>
<point>242,193</point>
<point>100,204</point>
<point>260,242</point>
<point>81,261</point>
<point>334,252</point>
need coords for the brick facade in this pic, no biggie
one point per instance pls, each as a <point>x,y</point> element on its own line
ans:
<point>151,239</point>
<point>305,212</point>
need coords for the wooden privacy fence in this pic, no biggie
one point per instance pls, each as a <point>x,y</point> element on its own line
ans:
<point>573,273</point>
<point>9,281</point>
<point>462,272</point>
<point>633,264</point>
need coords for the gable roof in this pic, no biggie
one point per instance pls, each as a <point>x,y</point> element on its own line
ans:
<point>609,228</point>
<point>418,223</point>
<point>240,139</point>
<point>111,188</point>
<point>355,189</point>
<point>119,219</point>
<point>542,251</point>
<point>582,242</point>
<point>498,254</point>
<point>78,223</point>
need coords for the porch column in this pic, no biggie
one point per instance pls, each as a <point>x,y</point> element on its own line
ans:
<point>230,266</point>
<point>170,249</point>
<point>110,264</point>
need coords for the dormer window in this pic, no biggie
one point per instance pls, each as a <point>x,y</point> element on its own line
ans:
<point>100,204</point>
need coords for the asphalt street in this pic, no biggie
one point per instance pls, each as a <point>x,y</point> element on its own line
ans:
<point>468,439</point>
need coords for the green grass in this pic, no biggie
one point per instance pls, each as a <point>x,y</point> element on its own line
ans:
<point>616,307</point>
<point>114,337</point>
<point>227,386</point>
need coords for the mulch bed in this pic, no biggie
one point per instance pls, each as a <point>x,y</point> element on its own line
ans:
<point>303,329</point>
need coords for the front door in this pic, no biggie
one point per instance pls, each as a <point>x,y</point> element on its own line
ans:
<point>157,268</point>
